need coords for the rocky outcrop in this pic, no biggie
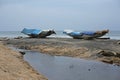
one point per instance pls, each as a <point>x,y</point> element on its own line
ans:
<point>108,53</point>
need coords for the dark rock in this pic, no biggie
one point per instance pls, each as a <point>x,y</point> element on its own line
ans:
<point>23,53</point>
<point>24,47</point>
<point>118,42</point>
<point>4,39</point>
<point>107,53</point>
<point>118,55</point>
<point>71,66</point>
<point>107,61</point>
<point>89,69</point>
<point>19,37</point>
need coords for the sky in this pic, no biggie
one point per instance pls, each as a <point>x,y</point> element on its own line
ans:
<point>59,14</point>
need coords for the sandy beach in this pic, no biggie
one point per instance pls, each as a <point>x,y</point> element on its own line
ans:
<point>13,67</point>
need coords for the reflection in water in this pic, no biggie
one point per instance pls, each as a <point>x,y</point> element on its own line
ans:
<point>67,68</point>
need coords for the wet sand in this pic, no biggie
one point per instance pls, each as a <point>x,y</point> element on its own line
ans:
<point>13,67</point>
<point>105,50</point>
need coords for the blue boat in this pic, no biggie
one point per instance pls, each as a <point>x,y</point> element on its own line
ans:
<point>37,33</point>
<point>86,34</point>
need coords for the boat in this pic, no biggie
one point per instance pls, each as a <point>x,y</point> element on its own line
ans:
<point>37,33</point>
<point>85,34</point>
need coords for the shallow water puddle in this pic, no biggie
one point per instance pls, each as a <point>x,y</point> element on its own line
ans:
<point>67,68</point>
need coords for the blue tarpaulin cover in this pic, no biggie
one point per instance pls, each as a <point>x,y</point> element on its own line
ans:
<point>31,31</point>
<point>75,33</point>
<point>88,33</point>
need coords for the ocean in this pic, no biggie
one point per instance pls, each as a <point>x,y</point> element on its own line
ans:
<point>59,34</point>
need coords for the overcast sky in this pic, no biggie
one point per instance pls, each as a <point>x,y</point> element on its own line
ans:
<point>60,14</point>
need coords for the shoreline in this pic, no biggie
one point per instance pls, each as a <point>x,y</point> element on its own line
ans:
<point>13,67</point>
<point>105,50</point>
